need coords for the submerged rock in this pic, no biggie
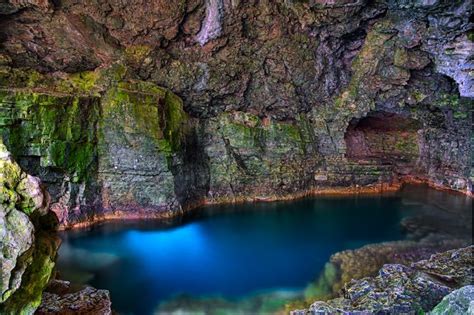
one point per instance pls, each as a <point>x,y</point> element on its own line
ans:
<point>403,289</point>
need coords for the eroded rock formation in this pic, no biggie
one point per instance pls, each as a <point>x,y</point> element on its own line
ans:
<point>150,108</point>
<point>26,252</point>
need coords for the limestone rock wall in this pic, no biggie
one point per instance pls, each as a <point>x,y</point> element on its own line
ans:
<point>151,108</point>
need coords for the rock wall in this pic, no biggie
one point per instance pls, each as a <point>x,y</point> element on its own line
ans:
<point>149,109</point>
<point>26,254</point>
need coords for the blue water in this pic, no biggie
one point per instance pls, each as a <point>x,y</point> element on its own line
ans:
<point>229,251</point>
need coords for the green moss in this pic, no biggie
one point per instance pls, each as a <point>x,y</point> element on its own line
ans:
<point>175,120</point>
<point>470,35</point>
<point>137,53</point>
<point>400,57</point>
<point>143,108</point>
<point>450,51</point>
<point>20,78</point>
<point>418,96</point>
<point>36,277</point>
<point>460,115</point>
<point>34,79</point>
<point>448,100</point>
<point>60,130</point>
<point>323,287</point>
<point>453,102</point>
<point>407,146</point>
<point>10,177</point>
<point>85,81</point>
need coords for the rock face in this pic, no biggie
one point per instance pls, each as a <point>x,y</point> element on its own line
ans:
<point>26,256</point>
<point>277,99</point>
<point>402,289</point>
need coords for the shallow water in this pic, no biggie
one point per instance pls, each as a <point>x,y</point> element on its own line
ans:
<point>240,252</point>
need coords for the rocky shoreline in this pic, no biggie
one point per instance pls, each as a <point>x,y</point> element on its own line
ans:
<point>418,287</point>
<point>378,189</point>
<point>62,299</point>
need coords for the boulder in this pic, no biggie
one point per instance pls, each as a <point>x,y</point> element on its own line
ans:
<point>61,298</point>
<point>460,301</point>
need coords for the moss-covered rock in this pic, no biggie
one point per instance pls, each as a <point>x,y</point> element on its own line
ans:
<point>40,262</point>
<point>26,263</point>
<point>252,157</point>
<point>59,130</point>
<point>403,289</point>
<point>460,301</point>
<point>143,127</point>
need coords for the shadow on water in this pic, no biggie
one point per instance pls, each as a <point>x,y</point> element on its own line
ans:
<point>250,257</point>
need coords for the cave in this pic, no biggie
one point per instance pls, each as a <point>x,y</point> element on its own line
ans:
<point>236,157</point>
<point>386,137</point>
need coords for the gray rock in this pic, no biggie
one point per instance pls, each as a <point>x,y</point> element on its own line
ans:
<point>403,289</point>
<point>460,301</point>
<point>61,298</point>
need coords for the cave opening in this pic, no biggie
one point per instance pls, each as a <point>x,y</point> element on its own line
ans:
<point>386,137</point>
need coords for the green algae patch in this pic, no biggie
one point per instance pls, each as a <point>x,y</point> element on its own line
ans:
<point>459,107</point>
<point>87,83</point>
<point>357,97</point>
<point>245,130</point>
<point>253,153</point>
<point>40,260</point>
<point>10,177</point>
<point>137,53</point>
<point>142,108</point>
<point>59,130</point>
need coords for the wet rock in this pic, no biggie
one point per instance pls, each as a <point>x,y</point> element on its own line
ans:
<point>142,128</point>
<point>61,298</point>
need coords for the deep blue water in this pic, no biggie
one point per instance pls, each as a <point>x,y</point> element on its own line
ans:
<point>232,251</point>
